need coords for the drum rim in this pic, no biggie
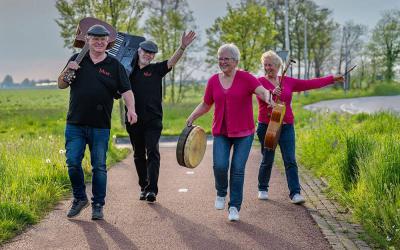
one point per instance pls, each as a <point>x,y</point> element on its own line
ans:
<point>180,148</point>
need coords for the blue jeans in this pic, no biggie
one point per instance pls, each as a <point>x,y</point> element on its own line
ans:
<point>287,145</point>
<point>221,152</point>
<point>76,138</point>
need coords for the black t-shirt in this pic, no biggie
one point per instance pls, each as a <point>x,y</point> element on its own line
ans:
<point>92,91</point>
<point>146,84</point>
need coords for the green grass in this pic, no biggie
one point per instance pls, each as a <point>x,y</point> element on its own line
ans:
<point>33,173</point>
<point>359,156</point>
<point>361,164</point>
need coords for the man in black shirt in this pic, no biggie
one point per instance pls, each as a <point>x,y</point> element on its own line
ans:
<point>146,79</point>
<point>99,78</point>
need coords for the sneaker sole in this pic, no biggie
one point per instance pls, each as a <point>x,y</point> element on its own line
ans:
<point>79,211</point>
<point>97,218</point>
<point>298,202</point>
<point>151,200</point>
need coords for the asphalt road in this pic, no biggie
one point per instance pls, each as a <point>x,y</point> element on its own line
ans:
<point>367,105</point>
<point>183,217</point>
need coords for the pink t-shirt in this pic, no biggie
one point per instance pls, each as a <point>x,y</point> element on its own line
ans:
<point>289,86</point>
<point>233,106</point>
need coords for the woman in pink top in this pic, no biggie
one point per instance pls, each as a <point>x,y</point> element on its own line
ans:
<point>231,91</point>
<point>270,81</point>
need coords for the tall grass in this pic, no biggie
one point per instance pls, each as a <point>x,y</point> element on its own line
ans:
<point>360,157</point>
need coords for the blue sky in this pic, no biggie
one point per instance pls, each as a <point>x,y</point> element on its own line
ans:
<point>30,45</point>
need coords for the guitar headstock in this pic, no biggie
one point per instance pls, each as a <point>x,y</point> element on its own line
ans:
<point>69,76</point>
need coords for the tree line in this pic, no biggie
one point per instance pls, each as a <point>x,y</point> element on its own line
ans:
<point>8,82</point>
<point>317,42</point>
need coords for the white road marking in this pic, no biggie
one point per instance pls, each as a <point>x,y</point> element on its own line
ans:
<point>183,190</point>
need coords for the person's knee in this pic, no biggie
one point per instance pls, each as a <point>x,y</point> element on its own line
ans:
<point>74,163</point>
<point>99,168</point>
<point>290,163</point>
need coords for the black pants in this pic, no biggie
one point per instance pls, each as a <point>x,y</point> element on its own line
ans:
<point>144,138</point>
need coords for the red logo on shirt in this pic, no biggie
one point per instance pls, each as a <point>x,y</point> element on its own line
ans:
<point>104,72</point>
<point>147,74</point>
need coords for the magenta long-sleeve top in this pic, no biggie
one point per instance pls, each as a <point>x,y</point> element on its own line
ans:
<point>233,112</point>
<point>289,85</point>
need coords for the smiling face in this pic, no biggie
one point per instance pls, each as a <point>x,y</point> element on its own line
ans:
<point>270,67</point>
<point>145,57</point>
<point>226,62</point>
<point>98,44</point>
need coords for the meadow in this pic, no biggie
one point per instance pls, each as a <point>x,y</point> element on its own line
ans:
<point>358,155</point>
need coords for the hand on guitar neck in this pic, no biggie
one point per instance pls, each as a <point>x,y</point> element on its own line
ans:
<point>69,72</point>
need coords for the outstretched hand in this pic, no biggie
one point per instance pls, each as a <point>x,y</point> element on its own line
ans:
<point>187,39</point>
<point>338,78</point>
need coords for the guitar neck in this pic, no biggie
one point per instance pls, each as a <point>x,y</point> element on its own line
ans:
<point>81,54</point>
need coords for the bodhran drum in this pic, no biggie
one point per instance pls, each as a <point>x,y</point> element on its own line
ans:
<point>191,146</point>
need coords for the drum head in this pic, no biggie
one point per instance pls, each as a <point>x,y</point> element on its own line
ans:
<point>191,146</point>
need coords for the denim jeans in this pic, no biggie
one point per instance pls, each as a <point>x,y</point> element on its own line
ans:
<point>76,138</point>
<point>221,153</point>
<point>287,145</point>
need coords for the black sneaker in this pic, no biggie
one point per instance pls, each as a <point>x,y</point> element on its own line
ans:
<point>97,212</point>
<point>151,197</point>
<point>77,207</point>
<point>142,196</point>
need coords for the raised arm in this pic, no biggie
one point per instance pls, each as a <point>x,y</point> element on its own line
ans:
<point>186,40</point>
<point>316,83</point>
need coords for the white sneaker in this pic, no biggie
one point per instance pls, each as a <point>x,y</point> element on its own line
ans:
<point>233,214</point>
<point>263,195</point>
<point>220,203</point>
<point>298,199</point>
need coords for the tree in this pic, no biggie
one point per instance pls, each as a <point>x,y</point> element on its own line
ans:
<point>7,82</point>
<point>249,27</point>
<point>386,40</point>
<point>167,21</point>
<point>123,15</point>
<point>319,32</point>
<point>321,38</point>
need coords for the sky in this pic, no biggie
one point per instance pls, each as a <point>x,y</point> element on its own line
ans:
<point>31,46</point>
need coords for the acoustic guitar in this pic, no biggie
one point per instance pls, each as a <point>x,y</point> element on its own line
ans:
<point>278,112</point>
<point>80,42</point>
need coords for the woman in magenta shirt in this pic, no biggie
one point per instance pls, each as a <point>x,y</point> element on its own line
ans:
<point>272,62</point>
<point>231,91</point>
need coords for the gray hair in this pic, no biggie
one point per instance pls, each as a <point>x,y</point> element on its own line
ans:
<point>232,48</point>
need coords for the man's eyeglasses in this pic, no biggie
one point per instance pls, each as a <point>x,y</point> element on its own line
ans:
<point>225,59</point>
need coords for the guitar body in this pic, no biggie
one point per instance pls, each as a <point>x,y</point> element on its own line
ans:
<point>84,26</point>
<point>274,127</point>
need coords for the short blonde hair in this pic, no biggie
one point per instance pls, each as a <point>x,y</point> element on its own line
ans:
<point>232,48</point>
<point>271,55</point>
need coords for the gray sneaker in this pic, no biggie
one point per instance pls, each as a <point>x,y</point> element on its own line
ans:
<point>97,212</point>
<point>77,207</point>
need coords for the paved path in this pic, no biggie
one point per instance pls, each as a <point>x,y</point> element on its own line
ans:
<point>183,217</point>
<point>359,105</point>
